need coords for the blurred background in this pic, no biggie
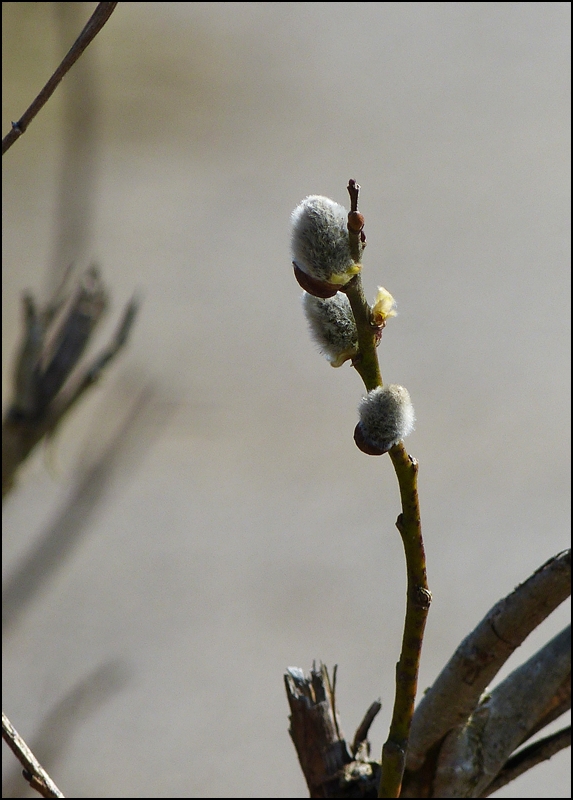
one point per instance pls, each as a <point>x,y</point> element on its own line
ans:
<point>203,519</point>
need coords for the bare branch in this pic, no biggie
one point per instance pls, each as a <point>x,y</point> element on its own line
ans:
<point>88,34</point>
<point>457,690</point>
<point>33,771</point>
<point>362,730</point>
<point>557,705</point>
<point>529,757</point>
<point>474,754</point>
<point>70,395</point>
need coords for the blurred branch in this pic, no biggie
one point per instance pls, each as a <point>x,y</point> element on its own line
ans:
<point>33,771</point>
<point>88,34</point>
<point>78,157</point>
<point>45,387</point>
<point>457,690</point>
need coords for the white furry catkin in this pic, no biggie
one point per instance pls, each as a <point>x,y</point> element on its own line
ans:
<point>386,417</point>
<point>332,326</point>
<point>320,243</point>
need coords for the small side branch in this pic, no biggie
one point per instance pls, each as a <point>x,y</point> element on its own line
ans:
<point>361,734</point>
<point>88,34</point>
<point>33,771</point>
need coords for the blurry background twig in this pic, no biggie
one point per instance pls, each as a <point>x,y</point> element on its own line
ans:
<point>49,377</point>
<point>90,31</point>
<point>47,383</point>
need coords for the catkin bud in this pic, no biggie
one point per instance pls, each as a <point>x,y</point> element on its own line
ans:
<point>320,244</point>
<point>386,417</point>
<point>384,307</point>
<point>332,326</point>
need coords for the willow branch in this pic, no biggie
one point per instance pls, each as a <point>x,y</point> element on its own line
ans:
<point>530,757</point>
<point>417,607</point>
<point>474,754</point>
<point>88,34</point>
<point>418,596</point>
<point>366,361</point>
<point>34,773</point>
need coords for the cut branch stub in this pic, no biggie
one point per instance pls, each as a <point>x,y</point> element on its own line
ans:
<point>329,767</point>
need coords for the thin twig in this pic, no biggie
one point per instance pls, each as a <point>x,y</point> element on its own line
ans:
<point>33,771</point>
<point>529,757</point>
<point>362,730</point>
<point>417,607</point>
<point>88,34</point>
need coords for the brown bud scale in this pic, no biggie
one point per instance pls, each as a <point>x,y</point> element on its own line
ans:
<point>313,285</point>
<point>362,443</point>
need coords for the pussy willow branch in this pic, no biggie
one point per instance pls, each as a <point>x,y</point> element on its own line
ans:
<point>34,773</point>
<point>409,525</point>
<point>88,34</point>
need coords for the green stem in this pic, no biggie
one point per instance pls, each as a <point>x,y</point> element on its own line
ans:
<point>417,607</point>
<point>409,525</point>
<point>366,362</point>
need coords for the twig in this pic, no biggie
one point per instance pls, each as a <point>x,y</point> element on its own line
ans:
<point>362,730</point>
<point>408,524</point>
<point>457,690</point>
<point>529,757</point>
<point>88,34</point>
<point>33,771</point>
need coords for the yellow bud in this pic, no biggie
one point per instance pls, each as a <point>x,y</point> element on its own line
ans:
<point>384,307</point>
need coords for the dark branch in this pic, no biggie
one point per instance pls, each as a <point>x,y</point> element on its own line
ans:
<point>88,34</point>
<point>362,731</point>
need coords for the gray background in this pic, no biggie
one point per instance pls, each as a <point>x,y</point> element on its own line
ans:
<point>204,519</point>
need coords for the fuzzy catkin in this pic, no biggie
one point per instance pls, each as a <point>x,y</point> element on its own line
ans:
<point>332,326</point>
<point>386,416</point>
<point>320,243</point>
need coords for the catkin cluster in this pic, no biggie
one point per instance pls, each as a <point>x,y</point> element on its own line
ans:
<point>324,265</point>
